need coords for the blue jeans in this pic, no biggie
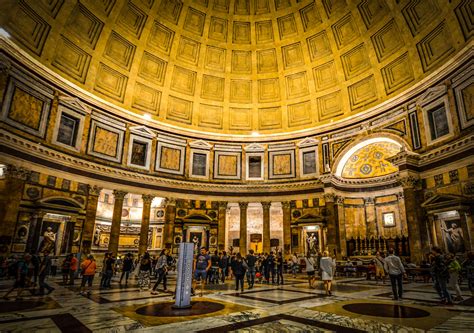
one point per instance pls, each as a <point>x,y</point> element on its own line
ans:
<point>251,276</point>
<point>397,283</point>
<point>441,286</point>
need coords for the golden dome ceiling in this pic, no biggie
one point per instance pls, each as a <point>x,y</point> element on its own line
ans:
<point>237,66</point>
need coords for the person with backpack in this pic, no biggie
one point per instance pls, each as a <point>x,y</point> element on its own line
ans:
<point>127,267</point>
<point>251,261</point>
<point>44,271</point>
<point>440,274</point>
<point>239,267</point>
<point>88,268</point>
<point>72,269</point>
<point>270,268</point>
<point>454,268</point>
<point>213,276</point>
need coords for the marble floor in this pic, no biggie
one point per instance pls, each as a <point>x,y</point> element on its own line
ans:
<point>357,305</point>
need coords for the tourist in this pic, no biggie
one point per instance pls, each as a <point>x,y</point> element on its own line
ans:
<point>144,272</point>
<point>454,269</point>
<point>213,276</point>
<point>310,270</point>
<point>379,268</point>
<point>72,269</point>
<point>162,270</point>
<point>328,268</point>
<point>468,266</point>
<point>65,267</point>
<point>108,271</point>
<point>294,264</point>
<point>202,264</point>
<point>127,267</point>
<point>251,260</point>
<point>270,268</point>
<point>22,277</point>
<point>44,270</point>
<point>54,266</point>
<point>223,265</point>
<point>239,267</point>
<point>393,265</point>
<point>88,268</point>
<point>440,274</point>
<point>35,263</point>
<point>349,268</point>
<point>279,268</point>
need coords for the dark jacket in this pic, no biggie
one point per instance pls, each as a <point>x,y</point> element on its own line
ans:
<point>238,267</point>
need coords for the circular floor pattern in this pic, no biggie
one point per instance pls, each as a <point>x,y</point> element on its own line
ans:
<point>19,306</point>
<point>386,310</point>
<point>166,310</point>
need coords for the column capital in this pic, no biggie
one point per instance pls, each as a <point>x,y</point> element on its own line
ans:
<point>20,173</point>
<point>266,204</point>
<point>329,197</point>
<point>94,190</point>
<point>339,200</point>
<point>286,204</point>
<point>170,202</point>
<point>223,204</point>
<point>243,205</point>
<point>368,201</point>
<point>410,182</point>
<point>119,195</point>
<point>147,198</point>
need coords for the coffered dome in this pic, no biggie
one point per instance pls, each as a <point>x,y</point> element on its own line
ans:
<point>238,66</point>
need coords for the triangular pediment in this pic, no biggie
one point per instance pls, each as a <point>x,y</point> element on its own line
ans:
<point>200,144</point>
<point>307,218</point>
<point>307,142</point>
<point>143,131</point>
<point>441,200</point>
<point>75,103</point>
<point>254,147</point>
<point>431,94</point>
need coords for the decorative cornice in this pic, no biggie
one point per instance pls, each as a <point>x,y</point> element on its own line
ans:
<point>12,171</point>
<point>409,182</point>
<point>329,197</point>
<point>94,190</point>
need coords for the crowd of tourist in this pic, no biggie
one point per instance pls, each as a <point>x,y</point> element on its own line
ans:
<point>30,271</point>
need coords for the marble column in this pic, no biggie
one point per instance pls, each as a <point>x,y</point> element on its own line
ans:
<point>266,226</point>
<point>341,228</point>
<point>170,215</point>
<point>412,199</point>
<point>10,199</point>
<point>143,242</point>
<point>221,225</point>
<point>243,228</point>
<point>331,223</point>
<point>119,197</point>
<point>432,228</point>
<point>466,226</point>
<point>370,218</point>
<point>286,206</point>
<point>89,222</point>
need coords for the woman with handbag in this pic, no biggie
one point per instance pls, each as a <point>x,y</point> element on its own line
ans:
<point>88,268</point>
<point>162,269</point>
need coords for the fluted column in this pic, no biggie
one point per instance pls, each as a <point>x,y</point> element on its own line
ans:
<point>143,243</point>
<point>243,227</point>
<point>89,222</point>
<point>266,226</point>
<point>170,215</point>
<point>221,225</point>
<point>412,200</point>
<point>119,196</point>
<point>286,206</point>
<point>10,200</point>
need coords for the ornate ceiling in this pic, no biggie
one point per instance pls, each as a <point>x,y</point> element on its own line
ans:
<point>237,66</point>
<point>371,161</point>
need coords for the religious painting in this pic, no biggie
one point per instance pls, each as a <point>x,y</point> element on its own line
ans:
<point>170,158</point>
<point>105,142</point>
<point>309,162</point>
<point>388,219</point>
<point>438,122</point>
<point>453,236</point>
<point>255,167</point>
<point>199,164</point>
<point>26,109</point>
<point>139,153</point>
<point>68,129</point>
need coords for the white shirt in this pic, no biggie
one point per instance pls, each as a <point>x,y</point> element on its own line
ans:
<point>393,265</point>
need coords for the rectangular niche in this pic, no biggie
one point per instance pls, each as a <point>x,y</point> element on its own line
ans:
<point>254,163</point>
<point>26,107</point>
<point>68,128</point>
<point>170,156</point>
<point>281,164</point>
<point>139,152</point>
<point>227,164</point>
<point>199,164</point>
<point>106,141</point>
<point>308,161</point>
<point>438,124</point>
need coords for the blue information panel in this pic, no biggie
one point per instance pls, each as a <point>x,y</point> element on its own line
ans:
<point>185,275</point>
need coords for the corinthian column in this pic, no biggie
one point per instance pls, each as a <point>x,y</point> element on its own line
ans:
<point>221,225</point>
<point>89,222</point>
<point>243,228</point>
<point>170,215</point>
<point>119,196</point>
<point>143,243</point>
<point>286,227</point>
<point>266,226</point>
